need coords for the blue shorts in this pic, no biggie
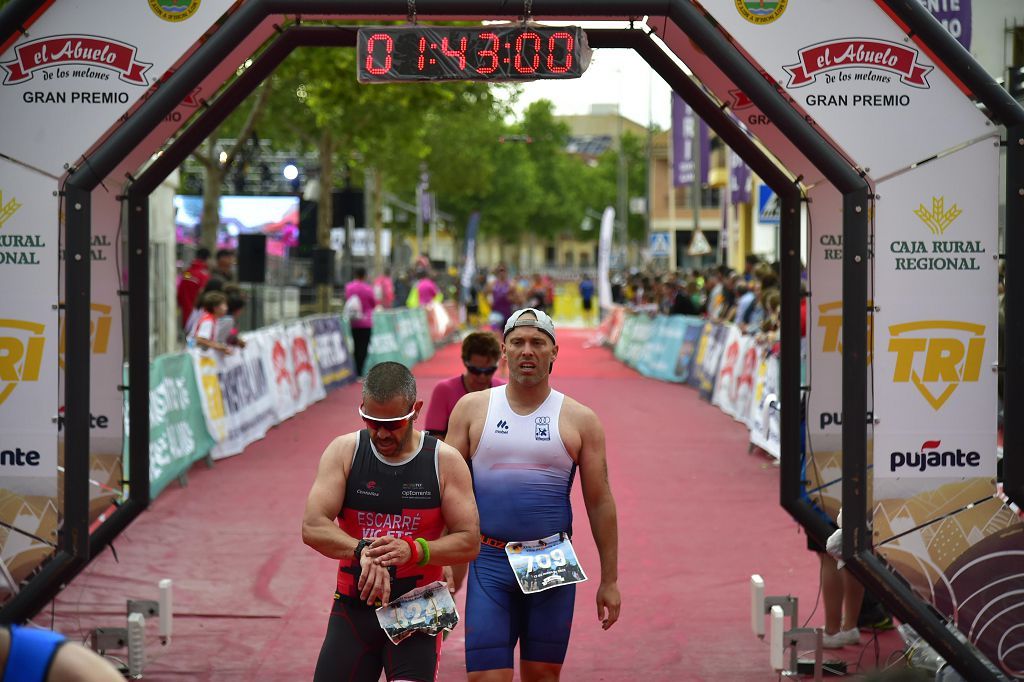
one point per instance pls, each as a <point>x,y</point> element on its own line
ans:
<point>498,615</point>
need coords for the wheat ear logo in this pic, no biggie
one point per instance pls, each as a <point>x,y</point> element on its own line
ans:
<point>938,219</point>
<point>7,210</point>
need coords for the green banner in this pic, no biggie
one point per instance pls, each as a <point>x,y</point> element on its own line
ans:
<point>384,341</point>
<point>177,428</point>
<point>405,330</point>
<point>423,340</point>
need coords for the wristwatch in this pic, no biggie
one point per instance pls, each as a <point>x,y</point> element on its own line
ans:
<point>360,546</point>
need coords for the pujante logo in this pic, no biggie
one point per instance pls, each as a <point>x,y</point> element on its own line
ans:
<point>761,11</point>
<point>174,10</point>
<point>7,210</point>
<point>938,219</point>
<point>76,50</point>
<point>21,354</point>
<point>929,456</point>
<point>870,54</point>
<point>936,356</point>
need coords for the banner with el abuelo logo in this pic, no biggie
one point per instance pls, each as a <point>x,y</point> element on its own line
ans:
<point>177,428</point>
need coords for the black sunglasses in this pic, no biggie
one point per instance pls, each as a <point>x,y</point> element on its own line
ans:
<point>483,371</point>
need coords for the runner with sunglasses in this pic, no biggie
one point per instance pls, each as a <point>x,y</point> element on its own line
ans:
<point>480,354</point>
<point>524,442</point>
<point>380,504</point>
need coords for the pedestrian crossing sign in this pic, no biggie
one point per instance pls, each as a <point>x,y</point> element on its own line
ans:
<point>660,245</point>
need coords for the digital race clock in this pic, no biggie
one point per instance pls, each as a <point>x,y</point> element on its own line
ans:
<point>494,53</point>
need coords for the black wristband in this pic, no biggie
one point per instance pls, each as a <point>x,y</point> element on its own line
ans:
<point>360,546</point>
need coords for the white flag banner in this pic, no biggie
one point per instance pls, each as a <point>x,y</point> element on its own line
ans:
<point>604,258</point>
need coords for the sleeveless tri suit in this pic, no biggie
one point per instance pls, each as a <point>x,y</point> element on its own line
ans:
<point>522,475</point>
<point>383,498</point>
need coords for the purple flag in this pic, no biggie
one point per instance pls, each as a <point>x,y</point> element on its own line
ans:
<point>955,17</point>
<point>739,180</point>
<point>685,127</point>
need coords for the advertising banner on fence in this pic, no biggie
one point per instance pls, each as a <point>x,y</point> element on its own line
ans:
<point>384,340</point>
<point>238,401</point>
<point>333,354</point>
<point>294,375</point>
<point>712,345</point>
<point>308,385</point>
<point>737,374</point>
<point>406,331</point>
<point>764,415</point>
<point>688,349</point>
<point>660,358</point>
<point>177,428</point>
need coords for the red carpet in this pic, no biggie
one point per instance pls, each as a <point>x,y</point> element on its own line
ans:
<point>697,516</point>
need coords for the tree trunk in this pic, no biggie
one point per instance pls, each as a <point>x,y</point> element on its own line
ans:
<point>211,204</point>
<point>325,218</point>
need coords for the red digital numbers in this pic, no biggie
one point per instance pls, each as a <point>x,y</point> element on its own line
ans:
<point>567,37</point>
<point>421,61</point>
<point>491,52</point>
<point>389,47</point>
<point>520,65</point>
<point>460,53</point>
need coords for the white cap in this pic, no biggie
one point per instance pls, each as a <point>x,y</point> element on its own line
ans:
<point>543,321</point>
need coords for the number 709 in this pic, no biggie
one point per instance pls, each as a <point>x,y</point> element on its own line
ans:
<point>556,558</point>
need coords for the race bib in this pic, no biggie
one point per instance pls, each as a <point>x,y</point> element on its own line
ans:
<point>429,609</point>
<point>542,564</point>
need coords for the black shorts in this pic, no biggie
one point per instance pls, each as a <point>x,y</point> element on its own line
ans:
<point>356,649</point>
<point>587,304</point>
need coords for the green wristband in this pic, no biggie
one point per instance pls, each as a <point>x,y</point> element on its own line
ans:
<point>425,559</point>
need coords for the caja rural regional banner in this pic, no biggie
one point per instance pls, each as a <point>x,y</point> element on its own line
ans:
<point>29,407</point>
<point>936,334</point>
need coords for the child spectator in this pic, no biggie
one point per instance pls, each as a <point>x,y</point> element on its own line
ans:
<point>215,306</point>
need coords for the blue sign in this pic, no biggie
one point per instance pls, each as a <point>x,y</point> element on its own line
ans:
<point>769,211</point>
<point>660,244</point>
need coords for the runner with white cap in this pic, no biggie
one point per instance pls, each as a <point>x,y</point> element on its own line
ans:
<point>524,443</point>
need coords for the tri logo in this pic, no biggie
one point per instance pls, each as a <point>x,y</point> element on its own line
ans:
<point>830,319</point>
<point>21,354</point>
<point>936,356</point>
<point>501,426</point>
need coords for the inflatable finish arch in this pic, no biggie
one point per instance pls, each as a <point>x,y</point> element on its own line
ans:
<point>87,105</point>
